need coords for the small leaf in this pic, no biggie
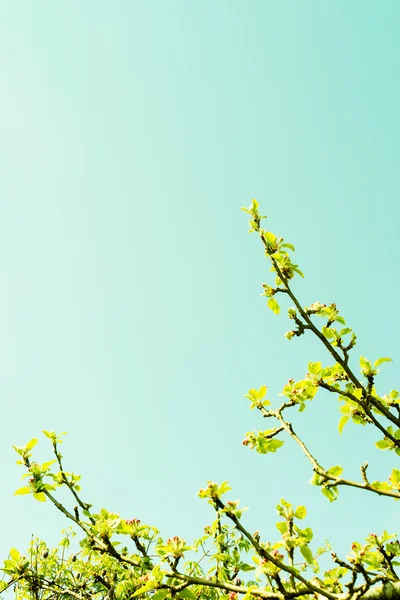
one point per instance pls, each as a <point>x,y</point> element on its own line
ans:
<point>9,566</point>
<point>186,593</point>
<point>245,567</point>
<point>379,361</point>
<point>150,585</point>
<point>262,391</point>
<point>300,512</point>
<point>40,496</point>
<point>15,555</point>
<point>343,422</point>
<point>223,488</point>
<point>22,491</point>
<point>254,204</point>
<point>248,595</point>
<point>282,527</point>
<point>274,306</point>
<point>47,486</point>
<point>275,444</point>
<point>329,493</point>
<point>340,320</point>
<point>327,332</point>
<point>47,465</point>
<point>31,444</point>
<point>253,225</point>
<point>366,366</point>
<point>382,444</point>
<point>253,394</point>
<point>298,271</point>
<point>307,554</point>
<point>269,237</point>
<point>336,471</point>
<point>395,476</point>
<point>344,331</point>
<point>290,246</point>
<point>314,367</point>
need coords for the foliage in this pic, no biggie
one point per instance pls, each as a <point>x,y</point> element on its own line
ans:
<point>124,558</point>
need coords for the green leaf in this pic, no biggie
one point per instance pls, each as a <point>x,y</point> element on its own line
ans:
<point>329,493</point>
<point>395,476</point>
<point>381,485</point>
<point>269,237</point>
<point>9,566</point>
<point>344,331</point>
<point>379,361</point>
<point>253,225</point>
<point>366,366</point>
<point>300,512</point>
<point>383,444</point>
<point>40,496</point>
<point>307,554</point>
<point>150,585</point>
<point>327,332</point>
<point>22,491</point>
<point>245,567</point>
<point>343,422</point>
<point>262,391</point>
<point>253,394</point>
<point>282,527</point>
<point>307,533</point>
<point>248,595</point>
<point>15,555</point>
<point>340,320</point>
<point>336,471</point>
<point>49,487</point>
<point>254,204</point>
<point>31,444</point>
<point>314,367</point>
<point>187,593</point>
<point>223,488</point>
<point>274,306</point>
<point>274,445</point>
<point>47,465</point>
<point>290,246</point>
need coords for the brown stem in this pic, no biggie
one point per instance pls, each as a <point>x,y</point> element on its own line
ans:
<point>68,484</point>
<point>267,556</point>
<point>342,362</point>
<point>317,468</point>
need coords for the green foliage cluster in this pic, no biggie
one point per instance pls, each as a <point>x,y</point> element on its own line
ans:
<point>124,558</point>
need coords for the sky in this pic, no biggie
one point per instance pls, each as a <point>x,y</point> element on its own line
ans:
<point>131,133</point>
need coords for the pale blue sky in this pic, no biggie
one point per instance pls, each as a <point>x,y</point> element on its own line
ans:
<point>131,134</point>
